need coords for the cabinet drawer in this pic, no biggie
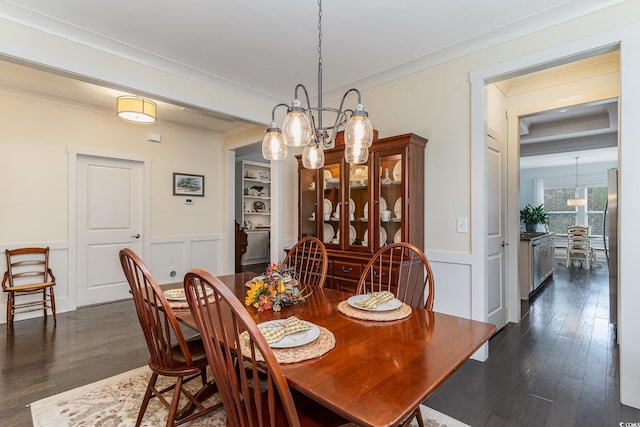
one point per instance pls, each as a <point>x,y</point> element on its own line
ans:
<point>345,285</point>
<point>346,269</point>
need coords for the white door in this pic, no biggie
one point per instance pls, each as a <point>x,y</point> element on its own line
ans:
<point>109,218</point>
<point>496,217</point>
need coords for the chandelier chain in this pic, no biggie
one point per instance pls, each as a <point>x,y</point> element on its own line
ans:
<point>320,34</point>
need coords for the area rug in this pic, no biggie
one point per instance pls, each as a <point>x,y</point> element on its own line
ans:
<point>115,401</point>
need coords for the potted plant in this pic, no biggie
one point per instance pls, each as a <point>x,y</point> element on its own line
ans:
<point>532,216</point>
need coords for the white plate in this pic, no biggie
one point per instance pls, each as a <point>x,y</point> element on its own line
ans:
<point>327,174</point>
<point>383,204</point>
<point>294,340</point>
<point>352,206</point>
<point>178,294</point>
<point>358,173</point>
<point>365,210</point>
<point>383,236</point>
<point>397,171</point>
<point>397,208</point>
<point>327,206</point>
<point>366,236</point>
<point>397,238</point>
<point>352,234</point>
<point>327,235</point>
<point>394,304</point>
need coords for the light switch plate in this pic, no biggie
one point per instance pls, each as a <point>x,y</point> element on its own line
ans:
<point>462,225</point>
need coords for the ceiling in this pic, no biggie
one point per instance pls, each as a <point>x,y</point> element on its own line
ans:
<point>259,50</point>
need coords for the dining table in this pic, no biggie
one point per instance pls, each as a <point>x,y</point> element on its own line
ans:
<point>377,372</point>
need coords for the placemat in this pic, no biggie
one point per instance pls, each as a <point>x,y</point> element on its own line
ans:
<point>379,316</point>
<point>178,305</point>
<point>325,342</point>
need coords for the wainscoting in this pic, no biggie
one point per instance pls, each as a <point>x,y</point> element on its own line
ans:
<point>172,253</point>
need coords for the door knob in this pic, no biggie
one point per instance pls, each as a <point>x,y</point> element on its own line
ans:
<point>136,236</point>
<point>504,244</point>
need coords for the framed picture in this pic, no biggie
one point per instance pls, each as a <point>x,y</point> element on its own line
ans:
<point>264,175</point>
<point>185,184</point>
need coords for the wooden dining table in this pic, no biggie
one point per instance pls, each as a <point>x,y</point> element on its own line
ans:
<point>378,372</point>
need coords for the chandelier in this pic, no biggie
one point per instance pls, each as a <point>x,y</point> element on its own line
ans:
<point>303,125</point>
<point>576,201</point>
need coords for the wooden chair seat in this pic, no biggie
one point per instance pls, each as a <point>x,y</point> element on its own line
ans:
<point>28,273</point>
<point>579,246</point>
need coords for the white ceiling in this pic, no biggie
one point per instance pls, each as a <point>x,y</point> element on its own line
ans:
<point>261,49</point>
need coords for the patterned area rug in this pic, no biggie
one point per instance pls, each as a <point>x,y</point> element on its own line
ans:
<point>115,401</point>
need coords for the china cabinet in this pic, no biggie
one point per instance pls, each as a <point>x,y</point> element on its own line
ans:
<point>356,209</point>
<point>256,210</point>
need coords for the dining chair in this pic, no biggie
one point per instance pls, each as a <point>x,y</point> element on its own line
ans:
<point>28,273</point>
<point>308,258</point>
<point>402,269</point>
<point>170,354</point>
<point>220,315</point>
<point>579,245</point>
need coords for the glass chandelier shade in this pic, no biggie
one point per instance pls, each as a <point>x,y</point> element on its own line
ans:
<point>273,144</point>
<point>358,130</point>
<point>356,154</point>
<point>297,126</point>
<point>313,157</point>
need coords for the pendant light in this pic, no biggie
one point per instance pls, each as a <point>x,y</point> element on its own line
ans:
<point>576,201</point>
<point>303,126</point>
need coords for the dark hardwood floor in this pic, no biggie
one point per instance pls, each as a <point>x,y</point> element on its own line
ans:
<point>558,367</point>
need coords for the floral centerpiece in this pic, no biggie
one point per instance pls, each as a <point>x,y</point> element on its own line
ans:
<point>275,289</point>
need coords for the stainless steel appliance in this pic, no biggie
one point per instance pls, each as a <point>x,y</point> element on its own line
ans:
<point>611,244</point>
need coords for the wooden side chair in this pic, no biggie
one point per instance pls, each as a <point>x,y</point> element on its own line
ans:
<point>223,317</point>
<point>28,273</point>
<point>171,354</point>
<point>308,258</point>
<point>402,269</point>
<point>579,246</point>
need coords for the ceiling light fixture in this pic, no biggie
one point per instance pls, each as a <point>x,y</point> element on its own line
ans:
<point>576,201</point>
<point>136,109</point>
<point>303,126</point>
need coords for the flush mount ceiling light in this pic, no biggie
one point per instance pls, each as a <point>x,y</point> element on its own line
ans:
<point>303,126</point>
<point>136,109</point>
<point>575,201</point>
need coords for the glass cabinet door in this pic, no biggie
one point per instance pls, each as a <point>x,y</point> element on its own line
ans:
<point>308,203</point>
<point>359,200</point>
<point>331,204</point>
<point>391,204</point>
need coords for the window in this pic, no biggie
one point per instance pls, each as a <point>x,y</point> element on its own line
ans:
<point>596,202</point>
<point>562,216</point>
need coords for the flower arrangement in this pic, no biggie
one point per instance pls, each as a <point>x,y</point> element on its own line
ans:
<point>275,289</point>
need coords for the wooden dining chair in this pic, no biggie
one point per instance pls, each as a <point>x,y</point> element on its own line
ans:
<point>579,246</point>
<point>170,354</point>
<point>28,273</point>
<point>308,258</point>
<point>223,317</point>
<point>402,269</point>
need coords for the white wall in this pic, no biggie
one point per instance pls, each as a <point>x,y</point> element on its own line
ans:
<point>34,186</point>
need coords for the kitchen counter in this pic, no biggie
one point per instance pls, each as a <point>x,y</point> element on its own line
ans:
<point>536,259</point>
<point>534,235</point>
